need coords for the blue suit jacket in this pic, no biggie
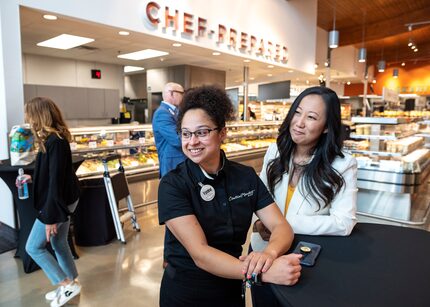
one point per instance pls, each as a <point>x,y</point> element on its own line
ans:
<point>167,140</point>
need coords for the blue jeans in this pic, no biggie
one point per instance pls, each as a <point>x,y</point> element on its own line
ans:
<point>56,270</point>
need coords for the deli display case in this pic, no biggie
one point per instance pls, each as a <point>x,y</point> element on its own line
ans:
<point>246,143</point>
<point>392,169</point>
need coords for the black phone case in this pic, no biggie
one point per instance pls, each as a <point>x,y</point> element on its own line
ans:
<point>308,259</point>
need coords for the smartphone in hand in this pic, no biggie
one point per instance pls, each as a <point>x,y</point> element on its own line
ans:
<point>310,252</point>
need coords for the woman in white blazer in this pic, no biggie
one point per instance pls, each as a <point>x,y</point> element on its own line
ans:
<point>312,180</point>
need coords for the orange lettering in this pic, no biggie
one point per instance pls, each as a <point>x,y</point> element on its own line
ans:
<point>261,47</point>
<point>169,19</point>
<point>243,40</point>
<point>285,54</point>
<point>150,8</point>
<point>188,23</point>
<point>253,42</point>
<point>233,36</point>
<point>221,34</point>
<point>277,52</point>
<point>201,26</point>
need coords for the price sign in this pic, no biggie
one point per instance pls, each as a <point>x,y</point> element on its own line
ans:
<point>110,143</point>
<point>141,140</point>
<point>73,146</point>
<point>92,145</point>
<point>126,142</point>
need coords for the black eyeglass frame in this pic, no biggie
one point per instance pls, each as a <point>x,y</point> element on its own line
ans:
<point>206,132</point>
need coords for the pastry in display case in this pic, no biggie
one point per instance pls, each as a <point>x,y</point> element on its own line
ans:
<point>135,144</point>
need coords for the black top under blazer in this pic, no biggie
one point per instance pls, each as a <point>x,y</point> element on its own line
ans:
<point>55,183</point>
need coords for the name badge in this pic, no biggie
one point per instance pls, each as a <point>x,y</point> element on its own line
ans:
<point>207,192</point>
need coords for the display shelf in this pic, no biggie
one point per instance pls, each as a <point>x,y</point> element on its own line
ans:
<point>383,120</point>
<point>388,137</point>
<point>133,144</point>
<point>244,139</point>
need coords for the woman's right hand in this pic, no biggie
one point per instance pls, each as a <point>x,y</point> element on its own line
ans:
<point>285,270</point>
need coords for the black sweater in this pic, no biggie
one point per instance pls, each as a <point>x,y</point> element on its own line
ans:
<point>55,183</point>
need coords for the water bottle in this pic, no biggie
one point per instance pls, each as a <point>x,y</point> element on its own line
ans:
<point>22,184</point>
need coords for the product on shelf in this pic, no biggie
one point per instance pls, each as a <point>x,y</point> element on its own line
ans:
<point>405,145</point>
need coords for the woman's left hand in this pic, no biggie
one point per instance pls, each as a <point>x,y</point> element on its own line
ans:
<point>51,230</point>
<point>256,262</point>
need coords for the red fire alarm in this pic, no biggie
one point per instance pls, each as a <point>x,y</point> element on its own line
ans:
<point>96,74</point>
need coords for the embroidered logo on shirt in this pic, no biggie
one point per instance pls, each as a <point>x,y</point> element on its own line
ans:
<point>242,195</point>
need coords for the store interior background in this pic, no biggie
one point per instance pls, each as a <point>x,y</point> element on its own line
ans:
<point>381,29</point>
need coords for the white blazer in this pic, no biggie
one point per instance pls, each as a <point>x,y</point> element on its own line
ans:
<point>304,216</point>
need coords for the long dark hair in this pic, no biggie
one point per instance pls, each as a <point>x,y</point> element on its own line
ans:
<point>319,177</point>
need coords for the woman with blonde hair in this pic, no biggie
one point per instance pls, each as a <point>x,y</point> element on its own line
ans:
<point>56,194</point>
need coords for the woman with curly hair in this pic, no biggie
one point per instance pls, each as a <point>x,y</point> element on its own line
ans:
<point>56,194</point>
<point>312,180</point>
<point>207,204</point>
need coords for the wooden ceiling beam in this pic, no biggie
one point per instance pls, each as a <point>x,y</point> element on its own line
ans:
<point>382,29</point>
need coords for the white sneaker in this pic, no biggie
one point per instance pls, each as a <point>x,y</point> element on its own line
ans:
<point>52,294</point>
<point>66,293</point>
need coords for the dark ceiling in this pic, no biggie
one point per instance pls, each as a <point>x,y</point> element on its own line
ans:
<point>386,35</point>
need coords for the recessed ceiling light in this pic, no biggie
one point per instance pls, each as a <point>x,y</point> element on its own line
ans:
<point>142,54</point>
<point>176,44</point>
<point>403,63</point>
<point>251,78</point>
<point>374,81</point>
<point>416,50</point>
<point>132,68</point>
<point>413,47</point>
<point>162,60</point>
<point>270,66</point>
<point>247,61</point>
<point>349,82</point>
<point>291,70</point>
<point>65,41</point>
<point>307,81</point>
<point>316,65</point>
<point>123,33</point>
<point>216,53</point>
<point>269,75</point>
<point>50,17</point>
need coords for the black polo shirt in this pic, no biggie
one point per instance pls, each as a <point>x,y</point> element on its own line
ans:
<point>225,220</point>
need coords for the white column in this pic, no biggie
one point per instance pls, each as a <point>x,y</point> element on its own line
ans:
<point>245,92</point>
<point>11,92</point>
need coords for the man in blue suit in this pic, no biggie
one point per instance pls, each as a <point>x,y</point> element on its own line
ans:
<point>167,140</point>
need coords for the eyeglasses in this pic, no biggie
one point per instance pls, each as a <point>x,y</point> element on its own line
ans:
<point>200,133</point>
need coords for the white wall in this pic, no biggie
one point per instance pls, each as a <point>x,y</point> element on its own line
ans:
<point>345,60</point>
<point>135,86</point>
<point>46,70</point>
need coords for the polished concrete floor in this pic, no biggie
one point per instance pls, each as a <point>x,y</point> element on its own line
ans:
<point>111,275</point>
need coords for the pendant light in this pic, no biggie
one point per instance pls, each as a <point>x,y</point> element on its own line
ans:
<point>362,51</point>
<point>396,70</point>
<point>333,35</point>
<point>381,63</point>
<point>381,66</point>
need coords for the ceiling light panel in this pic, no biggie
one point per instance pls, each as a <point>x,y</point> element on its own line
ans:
<point>132,68</point>
<point>142,54</point>
<point>65,41</point>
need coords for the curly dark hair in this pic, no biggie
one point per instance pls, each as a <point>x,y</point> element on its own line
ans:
<point>320,178</point>
<point>212,99</point>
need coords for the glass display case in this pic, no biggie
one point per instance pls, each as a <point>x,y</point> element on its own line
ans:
<point>392,165</point>
<point>135,144</point>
